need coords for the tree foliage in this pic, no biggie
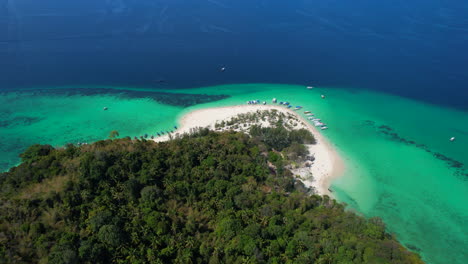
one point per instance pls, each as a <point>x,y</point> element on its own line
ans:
<point>279,137</point>
<point>204,198</point>
<point>113,134</point>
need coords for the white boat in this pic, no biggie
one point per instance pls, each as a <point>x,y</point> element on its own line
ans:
<point>264,103</point>
<point>306,112</point>
<point>324,127</point>
<point>310,87</point>
<point>274,100</point>
<point>452,139</point>
<point>309,114</point>
<point>323,96</point>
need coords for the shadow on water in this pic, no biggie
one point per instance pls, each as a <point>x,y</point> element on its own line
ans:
<point>413,248</point>
<point>174,99</point>
<point>19,121</point>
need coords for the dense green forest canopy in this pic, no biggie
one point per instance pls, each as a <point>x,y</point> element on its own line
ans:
<point>202,198</point>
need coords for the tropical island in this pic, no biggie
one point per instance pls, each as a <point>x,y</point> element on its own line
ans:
<point>321,163</point>
<point>247,185</point>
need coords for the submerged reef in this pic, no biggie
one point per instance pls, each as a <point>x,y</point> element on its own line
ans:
<point>19,121</point>
<point>390,133</point>
<point>175,99</point>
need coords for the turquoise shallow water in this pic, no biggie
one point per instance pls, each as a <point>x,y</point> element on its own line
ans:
<point>400,164</point>
<point>27,119</point>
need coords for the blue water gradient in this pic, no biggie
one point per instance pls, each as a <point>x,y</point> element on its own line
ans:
<point>416,48</point>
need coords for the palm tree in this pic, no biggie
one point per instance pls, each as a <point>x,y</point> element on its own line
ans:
<point>113,134</point>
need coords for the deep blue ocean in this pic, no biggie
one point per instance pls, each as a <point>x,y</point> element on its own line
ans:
<point>416,49</point>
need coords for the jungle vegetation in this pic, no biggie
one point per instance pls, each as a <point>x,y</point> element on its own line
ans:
<point>208,197</point>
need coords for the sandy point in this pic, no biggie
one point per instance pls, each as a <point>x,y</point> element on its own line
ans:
<point>326,167</point>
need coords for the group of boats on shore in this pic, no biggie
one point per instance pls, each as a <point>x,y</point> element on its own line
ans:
<point>310,116</point>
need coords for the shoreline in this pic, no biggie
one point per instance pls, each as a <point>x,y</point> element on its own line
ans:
<point>327,166</point>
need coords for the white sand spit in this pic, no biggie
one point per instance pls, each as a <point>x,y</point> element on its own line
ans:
<point>327,164</point>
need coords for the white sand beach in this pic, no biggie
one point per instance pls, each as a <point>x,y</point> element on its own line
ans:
<point>326,166</point>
